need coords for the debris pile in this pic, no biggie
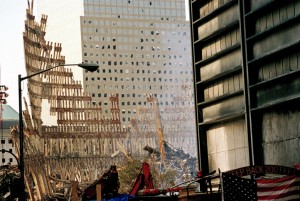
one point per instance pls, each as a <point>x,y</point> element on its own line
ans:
<point>9,182</point>
<point>109,185</point>
<point>176,160</point>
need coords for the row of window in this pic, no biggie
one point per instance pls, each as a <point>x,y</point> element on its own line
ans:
<point>6,160</point>
<point>145,87</point>
<point>138,95</point>
<point>134,17</point>
<point>138,79</point>
<point>139,64</point>
<point>105,40</point>
<point>138,71</point>
<point>132,35</point>
<point>140,103</point>
<point>127,24</point>
<point>137,56</point>
<point>134,11</point>
<point>138,45</point>
<point>137,48</point>
<point>146,3</point>
<point>4,141</point>
<point>159,58</point>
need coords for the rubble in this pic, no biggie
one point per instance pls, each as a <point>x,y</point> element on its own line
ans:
<point>9,182</point>
<point>176,160</point>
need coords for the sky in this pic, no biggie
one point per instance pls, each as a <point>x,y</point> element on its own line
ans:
<point>12,63</point>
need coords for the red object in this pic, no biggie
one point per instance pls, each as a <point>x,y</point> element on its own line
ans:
<point>199,173</point>
<point>280,189</point>
<point>147,176</point>
<point>296,166</point>
<point>143,180</point>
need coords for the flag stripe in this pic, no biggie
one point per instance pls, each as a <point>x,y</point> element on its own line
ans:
<point>286,188</point>
<point>278,195</point>
<point>288,180</point>
<point>276,188</point>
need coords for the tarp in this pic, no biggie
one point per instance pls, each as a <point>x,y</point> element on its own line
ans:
<point>121,197</point>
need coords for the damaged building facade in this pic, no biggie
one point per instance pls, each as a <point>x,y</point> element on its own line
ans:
<point>246,70</point>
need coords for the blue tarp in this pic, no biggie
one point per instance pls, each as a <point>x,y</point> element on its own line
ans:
<point>121,197</point>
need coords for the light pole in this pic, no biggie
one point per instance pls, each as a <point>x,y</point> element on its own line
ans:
<point>89,67</point>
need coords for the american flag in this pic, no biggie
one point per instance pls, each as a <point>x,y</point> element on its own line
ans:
<point>285,188</point>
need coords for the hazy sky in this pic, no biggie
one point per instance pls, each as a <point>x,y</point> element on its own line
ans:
<point>12,16</point>
<point>12,63</point>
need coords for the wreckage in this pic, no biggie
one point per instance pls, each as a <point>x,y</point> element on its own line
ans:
<point>177,160</point>
<point>9,182</point>
<point>80,145</point>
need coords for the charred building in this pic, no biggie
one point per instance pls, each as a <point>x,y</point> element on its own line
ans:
<point>246,77</point>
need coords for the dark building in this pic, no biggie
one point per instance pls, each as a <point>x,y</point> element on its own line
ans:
<point>246,61</point>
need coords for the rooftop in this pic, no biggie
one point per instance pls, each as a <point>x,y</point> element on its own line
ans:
<point>9,117</point>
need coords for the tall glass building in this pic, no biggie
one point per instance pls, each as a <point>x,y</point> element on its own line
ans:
<point>142,47</point>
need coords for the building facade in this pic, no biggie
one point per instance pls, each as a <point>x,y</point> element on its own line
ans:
<point>246,78</point>
<point>142,47</point>
<point>9,119</point>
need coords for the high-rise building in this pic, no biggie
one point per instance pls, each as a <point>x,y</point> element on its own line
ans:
<point>246,65</point>
<point>142,47</point>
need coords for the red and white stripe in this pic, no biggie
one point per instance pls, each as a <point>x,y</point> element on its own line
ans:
<point>282,189</point>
